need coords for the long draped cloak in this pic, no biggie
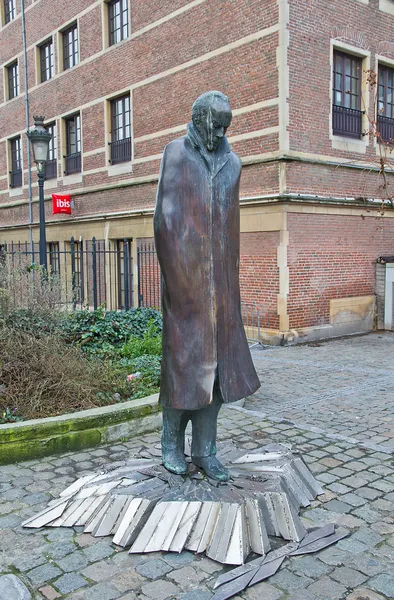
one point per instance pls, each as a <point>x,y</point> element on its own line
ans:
<point>197,236</point>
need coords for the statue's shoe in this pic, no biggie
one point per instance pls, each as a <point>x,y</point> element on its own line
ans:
<point>175,462</point>
<point>212,467</point>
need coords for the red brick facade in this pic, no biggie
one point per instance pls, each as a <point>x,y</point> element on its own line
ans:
<point>321,234</point>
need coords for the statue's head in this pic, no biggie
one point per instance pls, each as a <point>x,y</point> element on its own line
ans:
<point>211,116</point>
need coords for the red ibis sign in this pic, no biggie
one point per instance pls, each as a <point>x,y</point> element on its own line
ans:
<point>61,203</point>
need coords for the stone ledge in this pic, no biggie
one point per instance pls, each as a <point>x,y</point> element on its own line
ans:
<point>28,440</point>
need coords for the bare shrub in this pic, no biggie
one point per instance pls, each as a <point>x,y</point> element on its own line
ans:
<point>27,286</point>
<point>41,377</point>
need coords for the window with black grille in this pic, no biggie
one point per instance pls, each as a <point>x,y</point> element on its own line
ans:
<point>16,163</point>
<point>346,110</point>
<point>118,21</point>
<point>54,257</point>
<point>9,11</point>
<point>13,80</point>
<point>120,130</point>
<point>51,164</point>
<point>47,63</point>
<point>385,117</point>
<point>70,47</point>
<point>73,145</point>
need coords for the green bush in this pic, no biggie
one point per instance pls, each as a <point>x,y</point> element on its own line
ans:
<point>102,332</point>
<point>150,343</point>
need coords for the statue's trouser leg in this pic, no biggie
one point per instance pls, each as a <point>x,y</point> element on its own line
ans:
<point>204,422</point>
<point>173,439</point>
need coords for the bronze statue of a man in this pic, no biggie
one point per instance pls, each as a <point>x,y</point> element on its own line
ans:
<point>206,358</point>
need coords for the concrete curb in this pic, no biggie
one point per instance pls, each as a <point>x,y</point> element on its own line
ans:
<point>28,440</point>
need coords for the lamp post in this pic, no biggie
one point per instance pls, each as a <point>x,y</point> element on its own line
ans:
<point>39,138</point>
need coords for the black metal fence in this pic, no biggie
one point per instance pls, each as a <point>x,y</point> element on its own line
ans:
<point>92,273</point>
<point>347,121</point>
<point>386,128</point>
<point>149,276</point>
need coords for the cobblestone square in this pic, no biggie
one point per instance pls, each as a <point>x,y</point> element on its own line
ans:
<point>332,401</point>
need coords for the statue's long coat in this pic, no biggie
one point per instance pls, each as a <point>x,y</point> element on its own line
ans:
<point>197,236</point>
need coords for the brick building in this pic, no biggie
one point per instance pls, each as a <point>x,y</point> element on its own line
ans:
<point>115,81</point>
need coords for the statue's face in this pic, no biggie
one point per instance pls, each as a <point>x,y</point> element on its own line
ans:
<point>213,126</point>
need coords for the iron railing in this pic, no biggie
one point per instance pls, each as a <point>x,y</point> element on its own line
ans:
<point>72,163</point>
<point>347,121</point>
<point>120,151</point>
<point>386,128</point>
<point>251,319</point>
<point>51,169</point>
<point>16,178</point>
<point>149,276</point>
<point>93,273</point>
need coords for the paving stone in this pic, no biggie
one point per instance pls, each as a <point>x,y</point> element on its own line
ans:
<point>74,562</point>
<point>338,506</point>
<point>179,560</point>
<point>26,562</point>
<point>369,493</point>
<point>339,488</point>
<point>154,569</point>
<point>263,591</point>
<point>44,573</point>
<point>187,576</point>
<point>127,580</point>
<point>352,545</point>
<point>367,564</point>
<point>59,533</point>
<point>286,580</point>
<point>384,486</point>
<point>98,551</point>
<point>159,590</point>
<point>367,514</point>
<point>333,556</point>
<point>102,591</point>
<point>302,595</point>
<point>310,566</point>
<point>196,595</point>
<point>69,583</point>
<point>349,577</point>
<point>59,550</point>
<point>49,592</point>
<point>353,500</point>
<point>327,589</point>
<point>383,583</point>
<point>100,571</point>
<point>325,477</point>
<point>364,594</point>
<point>367,536</point>
<point>12,588</point>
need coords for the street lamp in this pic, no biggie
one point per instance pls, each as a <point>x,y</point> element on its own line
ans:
<point>39,138</point>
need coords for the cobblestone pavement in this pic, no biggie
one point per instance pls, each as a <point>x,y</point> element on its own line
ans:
<point>332,401</point>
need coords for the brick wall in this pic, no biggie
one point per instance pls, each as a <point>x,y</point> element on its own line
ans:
<point>332,256</point>
<point>259,274</point>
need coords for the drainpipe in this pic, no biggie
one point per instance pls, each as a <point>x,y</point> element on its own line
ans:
<point>29,179</point>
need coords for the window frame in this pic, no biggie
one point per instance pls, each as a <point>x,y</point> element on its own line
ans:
<point>67,43</point>
<point>347,117</point>
<point>75,155</point>
<point>120,134</point>
<point>9,11</point>
<point>46,62</point>
<point>13,89</point>
<point>385,122</point>
<point>53,250</point>
<point>16,162</point>
<point>120,272</point>
<point>51,172</point>
<point>123,16</point>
